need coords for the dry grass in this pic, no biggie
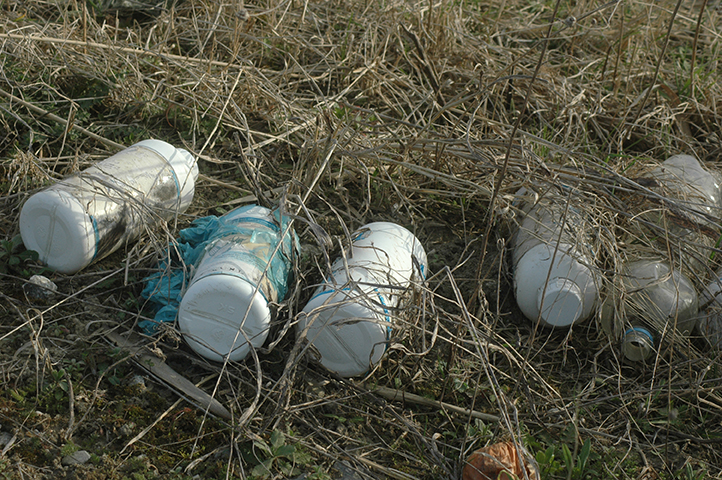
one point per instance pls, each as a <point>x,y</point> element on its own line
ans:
<point>429,114</point>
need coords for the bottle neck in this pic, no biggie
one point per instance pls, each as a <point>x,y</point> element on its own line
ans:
<point>638,343</point>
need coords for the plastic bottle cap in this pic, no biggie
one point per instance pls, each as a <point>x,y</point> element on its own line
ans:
<point>561,303</point>
<point>637,344</point>
<point>211,314</point>
<point>56,225</point>
<point>349,335</point>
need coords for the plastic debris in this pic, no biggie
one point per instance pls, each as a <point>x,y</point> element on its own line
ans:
<point>225,309</point>
<point>501,461</point>
<point>349,318</point>
<point>89,215</point>
<point>244,227</point>
<point>555,279</point>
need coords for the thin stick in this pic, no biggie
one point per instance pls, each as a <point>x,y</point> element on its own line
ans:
<point>136,51</point>
<point>400,396</point>
<point>694,48</point>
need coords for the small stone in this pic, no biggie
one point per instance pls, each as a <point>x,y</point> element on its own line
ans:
<point>77,458</point>
<point>40,289</point>
<point>127,429</point>
<point>6,438</point>
<point>136,384</point>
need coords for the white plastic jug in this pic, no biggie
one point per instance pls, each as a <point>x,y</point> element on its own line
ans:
<point>696,194</point>
<point>555,278</point>
<point>225,310</point>
<point>709,322</point>
<point>657,297</point>
<point>349,319</point>
<point>91,214</point>
<point>684,178</point>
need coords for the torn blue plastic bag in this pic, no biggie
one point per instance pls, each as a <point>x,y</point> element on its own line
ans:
<point>226,264</point>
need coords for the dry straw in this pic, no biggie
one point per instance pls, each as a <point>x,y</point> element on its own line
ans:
<point>430,114</point>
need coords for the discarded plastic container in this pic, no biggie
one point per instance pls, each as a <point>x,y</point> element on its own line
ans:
<point>657,298</point>
<point>684,178</point>
<point>659,294</point>
<point>555,281</point>
<point>348,320</point>
<point>91,214</point>
<point>697,197</point>
<point>709,322</point>
<point>225,309</point>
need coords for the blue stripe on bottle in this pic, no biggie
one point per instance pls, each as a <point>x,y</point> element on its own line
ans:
<point>642,331</point>
<point>96,234</point>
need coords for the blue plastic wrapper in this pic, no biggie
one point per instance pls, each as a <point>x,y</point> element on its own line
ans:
<point>164,289</point>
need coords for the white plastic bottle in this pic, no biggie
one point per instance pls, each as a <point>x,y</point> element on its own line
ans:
<point>696,194</point>
<point>225,310</point>
<point>555,278</point>
<point>91,214</point>
<point>683,178</point>
<point>709,322</point>
<point>657,297</point>
<point>349,319</point>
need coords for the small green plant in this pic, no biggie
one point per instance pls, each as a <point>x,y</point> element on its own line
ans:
<point>318,474</point>
<point>68,449</point>
<point>557,458</point>
<point>548,463</point>
<point>5,469</point>
<point>577,467</point>
<point>278,453</point>
<point>57,390</point>
<point>14,258</point>
<point>480,429</point>
<point>689,473</point>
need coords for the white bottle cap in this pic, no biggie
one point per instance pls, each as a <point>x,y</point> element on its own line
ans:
<point>561,303</point>
<point>637,344</point>
<point>211,315</point>
<point>349,335</point>
<point>571,294</point>
<point>55,224</point>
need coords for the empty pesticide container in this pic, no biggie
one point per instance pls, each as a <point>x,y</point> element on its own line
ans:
<point>91,214</point>
<point>683,177</point>
<point>245,264</point>
<point>694,195</point>
<point>657,293</point>
<point>657,298</point>
<point>350,317</point>
<point>555,280</point>
<point>709,322</point>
